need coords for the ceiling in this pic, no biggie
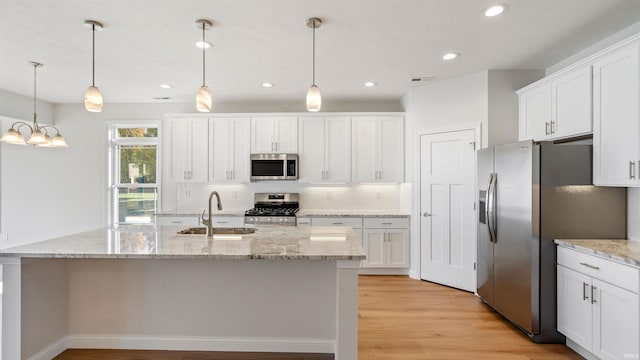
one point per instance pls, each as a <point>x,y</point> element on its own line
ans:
<point>146,43</point>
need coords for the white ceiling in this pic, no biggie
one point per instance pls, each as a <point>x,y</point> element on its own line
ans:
<point>149,42</point>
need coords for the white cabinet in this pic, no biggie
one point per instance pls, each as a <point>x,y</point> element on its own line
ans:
<point>559,107</point>
<point>188,147</point>
<point>598,304</point>
<point>615,118</point>
<point>353,222</point>
<point>274,135</point>
<point>386,242</point>
<point>228,221</point>
<point>377,145</point>
<point>230,149</point>
<point>178,220</point>
<point>324,149</point>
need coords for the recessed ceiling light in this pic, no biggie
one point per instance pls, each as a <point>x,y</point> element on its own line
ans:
<point>370,84</point>
<point>166,86</point>
<point>267,85</point>
<point>495,10</point>
<point>450,56</point>
<point>205,44</point>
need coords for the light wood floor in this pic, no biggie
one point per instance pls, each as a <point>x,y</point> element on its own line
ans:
<point>399,319</point>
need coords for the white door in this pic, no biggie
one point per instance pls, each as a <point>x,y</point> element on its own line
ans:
<point>574,306</point>
<point>262,135</point>
<point>447,221</point>
<point>311,149</point>
<point>286,135</point>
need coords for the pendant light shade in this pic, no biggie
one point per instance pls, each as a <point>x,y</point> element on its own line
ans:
<point>37,133</point>
<point>93,98</point>
<point>203,98</point>
<point>314,99</point>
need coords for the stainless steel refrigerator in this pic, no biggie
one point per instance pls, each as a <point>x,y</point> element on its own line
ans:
<point>530,194</point>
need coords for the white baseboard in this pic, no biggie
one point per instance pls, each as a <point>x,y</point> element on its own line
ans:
<point>51,351</point>
<point>201,343</point>
<point>383,271</point>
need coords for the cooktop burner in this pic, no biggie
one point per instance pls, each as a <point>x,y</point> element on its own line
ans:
<point>273,209</point>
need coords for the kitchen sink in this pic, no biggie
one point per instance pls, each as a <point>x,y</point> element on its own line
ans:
<point>218,231</point>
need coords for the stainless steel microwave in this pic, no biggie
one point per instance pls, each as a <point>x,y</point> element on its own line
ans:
<point>274,167</point>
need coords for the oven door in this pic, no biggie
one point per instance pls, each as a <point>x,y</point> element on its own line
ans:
<point>274,167</point>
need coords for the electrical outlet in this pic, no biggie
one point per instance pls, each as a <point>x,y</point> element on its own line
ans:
<point>378,195</point>
<point>234,194</point>
<point>328,195</point>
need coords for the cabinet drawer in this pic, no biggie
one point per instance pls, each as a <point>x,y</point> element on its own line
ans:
<point>228,221</point>
<point>178,220</point>
<point>614,273</point>
<point>386,223</point>
<point>355,223</point>
<point>303,221</point>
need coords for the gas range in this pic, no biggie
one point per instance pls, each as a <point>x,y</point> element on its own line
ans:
<point>273,209</point>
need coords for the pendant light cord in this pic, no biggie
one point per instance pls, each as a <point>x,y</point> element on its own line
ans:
<point>35,123</point>
<point>93,55</point>
<point>203,50</point>
<point>314,53</point>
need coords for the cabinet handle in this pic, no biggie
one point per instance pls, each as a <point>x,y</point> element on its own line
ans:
<point>337,223</point>
<point>222,222</point>
<point>553,130</point>
<point>584,291</point>
<point>590,266</point>
<point>546,128</point>
<point>276,145</point>
<point>632,170</point>
<point>185,176</point>
<point>232,175</point>
<point>426,214</point>
<point>387,223</point>
<point>593,298</point>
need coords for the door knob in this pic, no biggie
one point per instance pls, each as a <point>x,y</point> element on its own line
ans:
<point>426,214</point>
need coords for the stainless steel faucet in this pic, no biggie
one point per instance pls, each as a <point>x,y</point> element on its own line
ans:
<point>209,221</point>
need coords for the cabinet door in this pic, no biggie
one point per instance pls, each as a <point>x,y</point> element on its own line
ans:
<point>364,145</point>
<point>574,306</point>
<point>572,103</point>
<point>286,135</point>
<point>199,149</point>
<point>178,149</point>
<point>220,150</point>
<point>615,118</point>
<point>337,149</point>
<point>391,150</point>
<point>615,322</point>
<point>374,247</point>
<point>312,150</point>
<point>535,113</point>
<point>239,162</point>
<point>397,248</point>
<point>262,135</point>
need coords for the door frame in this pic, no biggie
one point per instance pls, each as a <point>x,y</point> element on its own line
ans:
<point>416,243</point>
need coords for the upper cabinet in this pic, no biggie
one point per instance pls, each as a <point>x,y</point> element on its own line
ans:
<point>229,156</point>
<point>555,108</point>
<point>377,144</point>
<point>616,133</point>
<point>324,149</point>
<point>274,135</point>
<point>188,147</point>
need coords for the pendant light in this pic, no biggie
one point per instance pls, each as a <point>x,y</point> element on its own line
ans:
<point>314,99</point>
<point>38,133</point>
<point>203,98</point>
<point>93,98</point>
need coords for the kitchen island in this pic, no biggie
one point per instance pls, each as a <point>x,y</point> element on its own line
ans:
<point>280,289</point>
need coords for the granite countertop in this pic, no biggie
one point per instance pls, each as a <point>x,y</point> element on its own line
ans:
<point>352,213</point>
<point>196,213</point>
<point>624,251</point>
<point>146,241</point>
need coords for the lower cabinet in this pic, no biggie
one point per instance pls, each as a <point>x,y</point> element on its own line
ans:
<point>386,242</point>
<point>598,305</point>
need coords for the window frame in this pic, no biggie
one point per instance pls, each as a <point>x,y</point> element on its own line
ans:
<point>113,161</point>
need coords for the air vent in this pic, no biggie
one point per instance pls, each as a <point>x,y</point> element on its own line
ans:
<point>422,79</point>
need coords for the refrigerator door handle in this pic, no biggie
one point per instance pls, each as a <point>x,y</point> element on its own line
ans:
<point>491,207</point>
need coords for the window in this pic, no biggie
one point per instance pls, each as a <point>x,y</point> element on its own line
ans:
<point>133,173</point>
